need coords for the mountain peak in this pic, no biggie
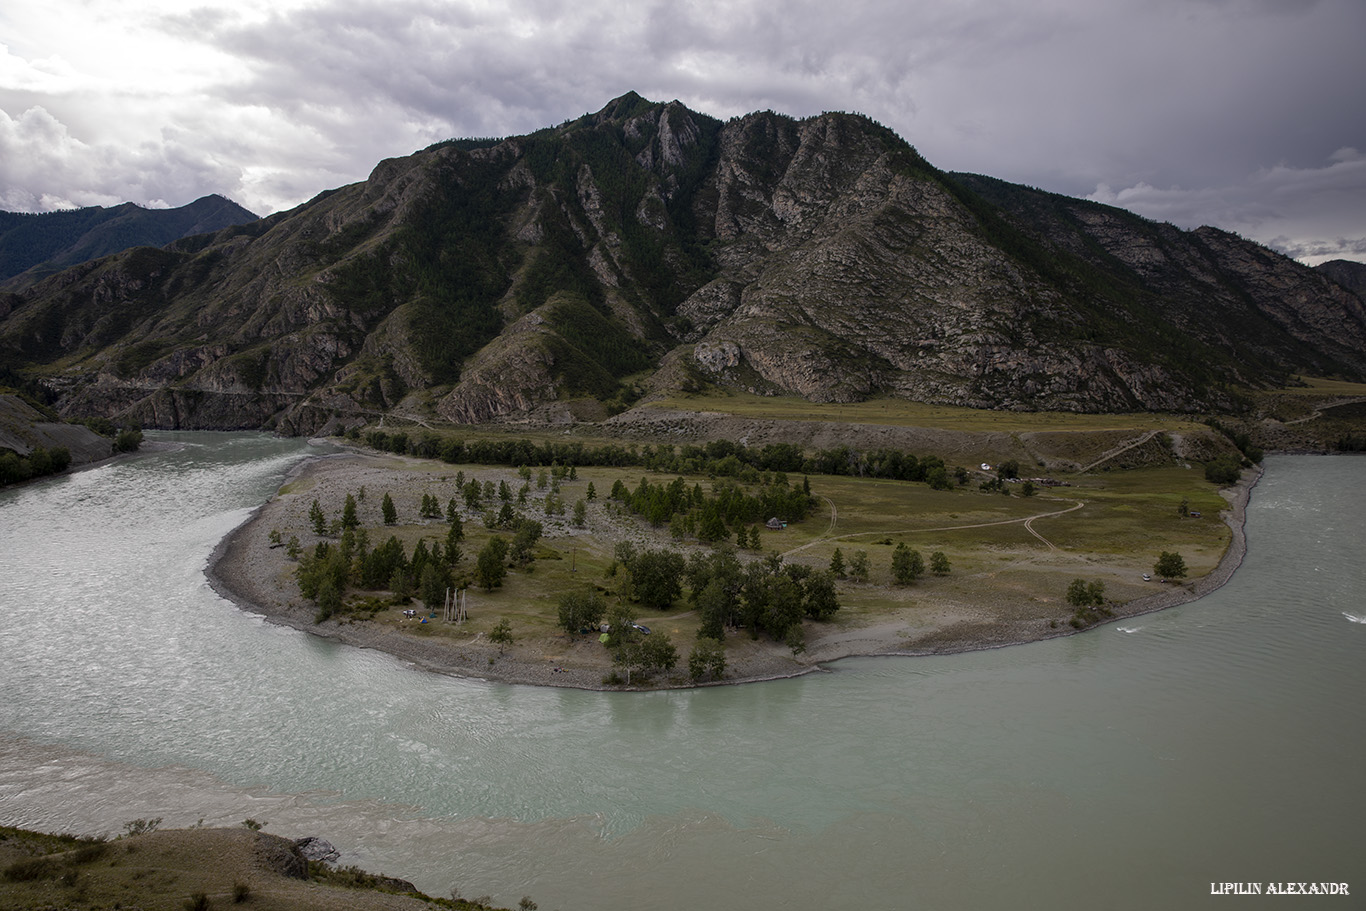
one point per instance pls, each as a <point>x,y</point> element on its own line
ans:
<point>625,107</point>
<point>650,248</point>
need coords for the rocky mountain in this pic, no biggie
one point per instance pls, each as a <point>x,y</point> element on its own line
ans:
<point>647,247</point>
<point>1351,275</point>
<point>35,246</point>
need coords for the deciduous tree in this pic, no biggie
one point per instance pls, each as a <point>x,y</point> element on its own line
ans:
<point>581,610</point>
<point>656,577</point>
<point>907,564</point>
<point>707,659</point>
<point>858,566</point>
<point>1170,566</point>
<point>501,634</point>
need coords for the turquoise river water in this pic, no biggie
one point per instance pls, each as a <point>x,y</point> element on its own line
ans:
<point>1127,767</point>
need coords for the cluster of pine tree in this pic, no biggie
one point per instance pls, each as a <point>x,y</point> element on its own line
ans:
<point>327,572</point>
<point>689,511</point>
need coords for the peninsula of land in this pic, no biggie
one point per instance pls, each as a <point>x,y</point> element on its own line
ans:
<point>1012,559</point>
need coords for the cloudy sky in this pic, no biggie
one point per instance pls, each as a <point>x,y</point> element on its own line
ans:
<point>1245,114</point>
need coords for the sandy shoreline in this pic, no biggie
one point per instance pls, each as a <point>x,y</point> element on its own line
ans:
<point>246,570</point>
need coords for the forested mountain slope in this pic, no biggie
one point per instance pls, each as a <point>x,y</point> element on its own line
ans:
<point>33,246</point>
<point>648,247</point>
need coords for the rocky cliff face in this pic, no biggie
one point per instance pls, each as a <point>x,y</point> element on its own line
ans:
<point>650,246</point>
<point>1238,309</point>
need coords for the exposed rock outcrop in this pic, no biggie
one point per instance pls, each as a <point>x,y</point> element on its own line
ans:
<point>648,245</point>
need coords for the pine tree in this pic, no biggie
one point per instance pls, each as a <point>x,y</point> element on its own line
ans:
<point>432,587</point>
<point>319,520</point>
<point>490,568</point>
<point>388,510</point>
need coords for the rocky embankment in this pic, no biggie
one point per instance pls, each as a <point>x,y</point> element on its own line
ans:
<point>22,429</point>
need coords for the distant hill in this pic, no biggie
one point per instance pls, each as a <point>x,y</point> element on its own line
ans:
<point>35,246</point>
<point>648,248</point>
<point>1351,275</point>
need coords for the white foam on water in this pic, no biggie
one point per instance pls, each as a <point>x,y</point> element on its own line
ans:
<point>1128,629</point>
<point>1354,617</point>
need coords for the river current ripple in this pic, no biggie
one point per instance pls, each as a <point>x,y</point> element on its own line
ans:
<point>1128,767</point>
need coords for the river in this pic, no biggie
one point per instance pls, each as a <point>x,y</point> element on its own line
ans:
<point>1127,767</point>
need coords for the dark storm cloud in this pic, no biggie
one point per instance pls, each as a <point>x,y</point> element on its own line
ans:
<point>1193,111</point>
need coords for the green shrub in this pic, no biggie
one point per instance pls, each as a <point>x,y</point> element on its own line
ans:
<point>141,826</point>
<point>1224,470</point>
<point>86,853</point>
<point>24,871</point>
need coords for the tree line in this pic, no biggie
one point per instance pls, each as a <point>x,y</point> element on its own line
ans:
<point>40,462</point>
<point>723,458</point>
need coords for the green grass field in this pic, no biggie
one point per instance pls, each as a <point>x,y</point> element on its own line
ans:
<point>903,413</point>
<point>1125,520</point>
<point>1324,387</point>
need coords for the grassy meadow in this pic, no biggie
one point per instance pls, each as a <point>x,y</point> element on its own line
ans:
<point>1008,552</point>
<point>905,413</point>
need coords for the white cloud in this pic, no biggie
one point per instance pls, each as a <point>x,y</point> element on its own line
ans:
<point>44,167</point>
